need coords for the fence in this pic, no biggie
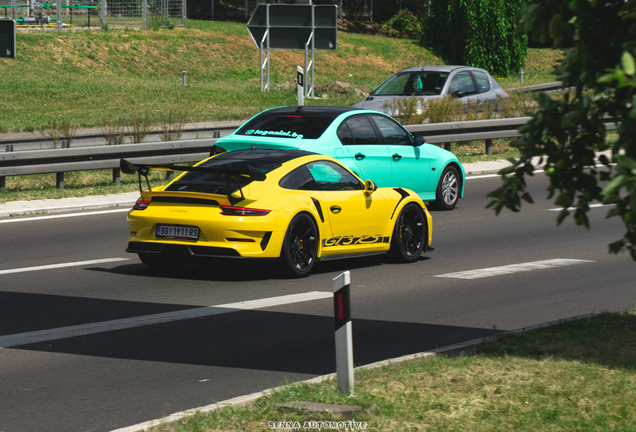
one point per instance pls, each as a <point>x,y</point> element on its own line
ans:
<point>96,13</point>
<point>107,157</point>
<point>241,10</point>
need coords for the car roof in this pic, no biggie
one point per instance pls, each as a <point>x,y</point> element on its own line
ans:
<point>312,109</point>
<point>439,68</point>
<point>278,156</point>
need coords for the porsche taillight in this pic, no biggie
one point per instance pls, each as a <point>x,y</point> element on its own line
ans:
<point>141,204</point>
<point>242,211</point>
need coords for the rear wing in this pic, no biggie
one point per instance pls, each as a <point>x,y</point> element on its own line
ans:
<point>142,170</point>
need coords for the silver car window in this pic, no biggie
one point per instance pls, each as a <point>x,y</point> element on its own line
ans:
<point>462,82</point>
<point>483,82</point>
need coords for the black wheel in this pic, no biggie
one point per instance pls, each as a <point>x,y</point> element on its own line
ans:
<point>448,189</point>
<point>409,234</point>
<point>300,246</point>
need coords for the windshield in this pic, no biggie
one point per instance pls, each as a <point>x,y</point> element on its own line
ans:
<point>296,125</point>
<point>413,84</point>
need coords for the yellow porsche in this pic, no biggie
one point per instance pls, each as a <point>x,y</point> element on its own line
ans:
<point>293,206</point>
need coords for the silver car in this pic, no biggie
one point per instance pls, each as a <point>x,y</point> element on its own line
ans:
<point>464,82</point>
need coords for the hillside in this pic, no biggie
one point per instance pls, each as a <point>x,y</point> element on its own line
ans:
<point>91,76</point>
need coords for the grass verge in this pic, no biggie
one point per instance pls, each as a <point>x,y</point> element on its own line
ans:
<point>572,376</point>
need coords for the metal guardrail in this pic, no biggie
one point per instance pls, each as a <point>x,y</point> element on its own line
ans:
<point>107,157</point>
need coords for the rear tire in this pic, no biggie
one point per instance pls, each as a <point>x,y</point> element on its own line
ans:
<point>300,246</point>
<point>448,189</point>
<point>409,234</point>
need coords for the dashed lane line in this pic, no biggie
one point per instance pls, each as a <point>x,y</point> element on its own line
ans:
<point>513,268</point>
<point>62,265</point>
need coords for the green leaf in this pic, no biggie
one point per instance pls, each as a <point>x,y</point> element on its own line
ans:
<point>562,215</point>
<point>616,246</point>
<point>526,197</point>
<point>627,62</point>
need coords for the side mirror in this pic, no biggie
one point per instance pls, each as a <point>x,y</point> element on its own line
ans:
<point>419,140</point>
<point>369,187</point>
<point>458,94</point>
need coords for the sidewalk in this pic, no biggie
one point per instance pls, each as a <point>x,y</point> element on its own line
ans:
<point>126,200</point>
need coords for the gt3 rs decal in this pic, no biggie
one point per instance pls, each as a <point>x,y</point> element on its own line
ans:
<point>351,240</point>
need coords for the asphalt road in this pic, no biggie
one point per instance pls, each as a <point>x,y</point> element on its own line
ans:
<point>75,357</point>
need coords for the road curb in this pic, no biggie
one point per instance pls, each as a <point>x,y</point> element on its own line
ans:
<point>240,401</point>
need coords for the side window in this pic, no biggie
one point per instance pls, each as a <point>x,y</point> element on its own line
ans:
<point>483,83</point>
<point>330,176</point>
<point>462,82</point>
<point>362,130</point>
<point>392,132</point>
<point>299,179</point>
<point>346,138</point>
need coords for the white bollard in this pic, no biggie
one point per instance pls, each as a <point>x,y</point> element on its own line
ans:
<point>301,84</point>
<point>344,338</point>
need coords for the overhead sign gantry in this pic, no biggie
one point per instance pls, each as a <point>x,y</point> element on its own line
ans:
<point>308,27</point>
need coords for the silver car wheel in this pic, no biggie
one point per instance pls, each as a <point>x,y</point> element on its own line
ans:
<point>450,188</point>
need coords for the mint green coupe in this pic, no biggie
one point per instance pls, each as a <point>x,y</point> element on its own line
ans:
<point>371,144</point>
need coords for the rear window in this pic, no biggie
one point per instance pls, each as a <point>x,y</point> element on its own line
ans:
<point>215,182</point>
<point>301,125</point>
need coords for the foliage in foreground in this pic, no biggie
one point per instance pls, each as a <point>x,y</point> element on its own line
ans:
<point>576,375</point>
<point>569,131</point>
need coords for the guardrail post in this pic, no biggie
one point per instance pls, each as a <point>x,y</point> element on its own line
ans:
<point>447,146</point>
<point>59,180</point>
<point>488,146</point>
<point>117,176</point>
<point>3,182</point>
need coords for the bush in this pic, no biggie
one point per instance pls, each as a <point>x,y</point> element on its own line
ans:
<point>404,24</point>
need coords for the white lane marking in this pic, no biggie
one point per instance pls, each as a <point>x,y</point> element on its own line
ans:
<point>62,265</point>
<point>574,208</point>
<point>513,268</point>
<point>126,323</point>
<point>35,218</point>
<point>494,175</point>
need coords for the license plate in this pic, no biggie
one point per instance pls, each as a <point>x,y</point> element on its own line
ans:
<point>171,231</point>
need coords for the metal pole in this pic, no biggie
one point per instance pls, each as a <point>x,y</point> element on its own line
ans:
<point>58,15</point>
<point>343,336</point>
<point>313,45</point>
<point>184,15</point>
<point>267,46</point>
<point>144,14</point>
<point>184,77</point>
<point>212,11</point>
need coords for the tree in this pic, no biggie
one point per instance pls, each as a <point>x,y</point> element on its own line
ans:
<point>477,33</point>
<point>566,132</point>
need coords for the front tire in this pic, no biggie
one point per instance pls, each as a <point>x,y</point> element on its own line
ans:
<point>448,189</point>
<point>409,234</point>
<point>300,246</point>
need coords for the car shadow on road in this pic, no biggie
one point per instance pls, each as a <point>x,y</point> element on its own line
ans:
<point>272,340</point>
<point>246,271</point>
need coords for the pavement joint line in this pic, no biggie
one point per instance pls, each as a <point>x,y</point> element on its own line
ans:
<point>253,397</point>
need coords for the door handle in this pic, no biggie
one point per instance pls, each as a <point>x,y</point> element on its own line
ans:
<point>397,157</point>
<point>336,209</point>
<point>360,156</point>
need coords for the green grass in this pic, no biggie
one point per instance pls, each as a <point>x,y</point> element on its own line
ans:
<point>88,76</point>
<point>572,376</point>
